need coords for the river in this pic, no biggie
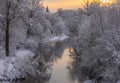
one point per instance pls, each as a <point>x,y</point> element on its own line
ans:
<point>60,72</point>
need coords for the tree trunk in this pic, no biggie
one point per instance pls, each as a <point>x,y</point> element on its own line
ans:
<point>101,22</point>
<point>7,29</point>
<point>7,39</point>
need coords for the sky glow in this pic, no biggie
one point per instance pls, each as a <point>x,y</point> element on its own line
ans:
<point>69,4</point>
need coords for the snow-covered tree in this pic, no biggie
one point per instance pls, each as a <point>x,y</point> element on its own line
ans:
<point>13,9</point>
<point>9,10</point>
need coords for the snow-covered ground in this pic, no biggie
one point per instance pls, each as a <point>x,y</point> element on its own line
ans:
<point>17,66</point>
<point>57,38</point>
<point>89,81</point>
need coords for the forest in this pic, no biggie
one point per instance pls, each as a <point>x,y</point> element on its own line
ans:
<point>32,38</point>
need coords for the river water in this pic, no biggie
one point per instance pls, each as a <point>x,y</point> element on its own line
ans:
<point>60,73</point>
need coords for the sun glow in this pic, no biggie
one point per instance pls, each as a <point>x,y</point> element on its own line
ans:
<point>109,1</point>
<point>73,4</point>
<point>105,1</point>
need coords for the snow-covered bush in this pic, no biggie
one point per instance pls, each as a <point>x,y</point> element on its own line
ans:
<point>17,66</point>
<point>22,65</point>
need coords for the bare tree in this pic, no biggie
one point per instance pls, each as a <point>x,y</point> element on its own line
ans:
<point>86,4</point>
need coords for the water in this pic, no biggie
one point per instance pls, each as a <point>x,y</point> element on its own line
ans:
<point>60,73</point>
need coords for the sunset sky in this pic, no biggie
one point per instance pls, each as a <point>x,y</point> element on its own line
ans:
<point>65,4</point>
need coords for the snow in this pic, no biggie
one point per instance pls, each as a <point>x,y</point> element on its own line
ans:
<point>24,54</point>
<point>57,38</point>
<point>116,54</point>
<point>89,81</point>
<point>2,16</point>
<point>118,81</point>
<point>29,33</point>
<point>17,66</point>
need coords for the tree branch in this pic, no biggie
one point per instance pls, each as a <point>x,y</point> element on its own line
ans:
<point>27,24</point>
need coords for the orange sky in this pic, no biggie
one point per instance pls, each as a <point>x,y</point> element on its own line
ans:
<point>65,4</point>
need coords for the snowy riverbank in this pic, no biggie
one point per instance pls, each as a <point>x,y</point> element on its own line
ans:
<point>56,38</point>
<point>22,63</point>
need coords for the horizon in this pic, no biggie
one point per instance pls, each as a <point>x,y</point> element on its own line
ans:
<point>68,4</point>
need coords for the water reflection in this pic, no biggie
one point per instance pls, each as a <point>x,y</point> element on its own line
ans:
<point>60,73</point>
<point>75,70</point>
